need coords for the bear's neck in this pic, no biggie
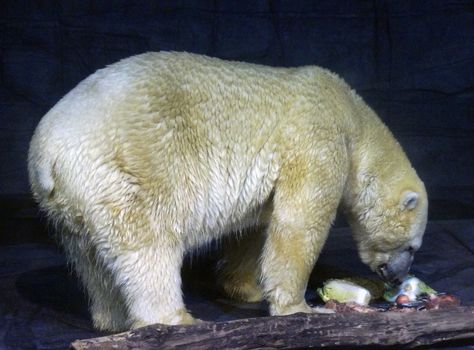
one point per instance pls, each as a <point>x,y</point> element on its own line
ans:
<point>374,154</point>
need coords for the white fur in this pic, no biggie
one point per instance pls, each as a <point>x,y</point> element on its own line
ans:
<point>159,154</point>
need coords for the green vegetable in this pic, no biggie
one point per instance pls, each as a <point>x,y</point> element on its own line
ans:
<point>344,292</point>
<point>411,287</point>
<point>376,287</point>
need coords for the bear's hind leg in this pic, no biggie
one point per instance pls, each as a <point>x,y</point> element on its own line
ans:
<point>239,269</point>
<point>107,308</point>
<point>150,283</point>
<point>105,303</point>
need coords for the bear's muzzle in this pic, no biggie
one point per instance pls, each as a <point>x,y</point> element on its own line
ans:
<point>397,267</point>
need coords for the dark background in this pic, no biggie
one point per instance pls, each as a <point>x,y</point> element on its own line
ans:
<point>411,60</point>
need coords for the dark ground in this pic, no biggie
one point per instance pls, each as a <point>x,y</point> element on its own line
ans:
<point>43,307</point>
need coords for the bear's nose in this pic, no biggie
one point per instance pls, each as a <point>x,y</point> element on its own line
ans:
<point>388,275</point>
<point>381,269</point>
<point>396,269</point>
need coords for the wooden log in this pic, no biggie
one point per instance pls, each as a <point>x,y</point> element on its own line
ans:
<point>300,331</point>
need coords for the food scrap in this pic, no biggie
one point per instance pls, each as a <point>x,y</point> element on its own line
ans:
<point>344,292</point>
<point>375,286</point>
<point>409,290</point>
<point>347,295</point>
<point>442,301</point>
<point>349,307</point>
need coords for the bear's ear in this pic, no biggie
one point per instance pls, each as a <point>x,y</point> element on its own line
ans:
<point>409,200</point>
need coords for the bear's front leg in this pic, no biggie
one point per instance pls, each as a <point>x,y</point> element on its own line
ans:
<point>305,204</point>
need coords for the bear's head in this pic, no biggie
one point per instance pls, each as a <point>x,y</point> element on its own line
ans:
<point>388,214</point>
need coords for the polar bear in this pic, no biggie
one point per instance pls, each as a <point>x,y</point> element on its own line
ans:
<point>162,153</point>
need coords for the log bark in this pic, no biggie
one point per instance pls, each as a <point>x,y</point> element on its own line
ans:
<point>300,331</point>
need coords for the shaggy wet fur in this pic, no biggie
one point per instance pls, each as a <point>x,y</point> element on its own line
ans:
<point>161,153</point>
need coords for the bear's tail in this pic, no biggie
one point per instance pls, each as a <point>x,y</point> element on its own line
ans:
<point>40,171</point>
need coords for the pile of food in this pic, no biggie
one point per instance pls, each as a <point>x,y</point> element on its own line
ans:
<point>355,294</point>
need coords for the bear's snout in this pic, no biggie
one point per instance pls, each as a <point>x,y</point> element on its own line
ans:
<point>397,267</point>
